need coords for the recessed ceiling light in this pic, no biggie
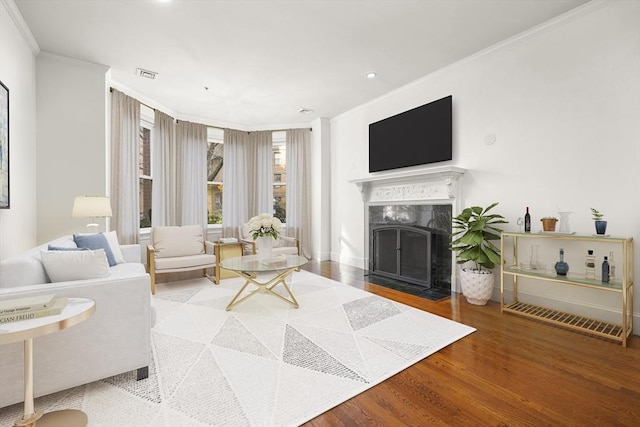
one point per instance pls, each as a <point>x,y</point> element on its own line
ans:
<point>164,1</point>
<point>305,111</point>
<point>371,75</point>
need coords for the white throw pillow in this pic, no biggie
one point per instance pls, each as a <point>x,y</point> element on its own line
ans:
<point>62,266</point>
<point>112,238</point>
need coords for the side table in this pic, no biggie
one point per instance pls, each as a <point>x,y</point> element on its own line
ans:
<point>77,310</point>
<point>223,251</point>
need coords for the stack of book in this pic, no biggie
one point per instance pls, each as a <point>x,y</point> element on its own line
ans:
<point>14,310</point>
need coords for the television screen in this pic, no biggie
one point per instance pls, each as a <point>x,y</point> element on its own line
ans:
<point>416,137</point>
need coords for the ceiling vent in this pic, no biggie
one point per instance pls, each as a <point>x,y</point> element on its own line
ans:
<point>146,73</point>
<point>305,111</point>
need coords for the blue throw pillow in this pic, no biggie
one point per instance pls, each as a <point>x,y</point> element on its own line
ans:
<point>63,248</point>
<point>95,241</point>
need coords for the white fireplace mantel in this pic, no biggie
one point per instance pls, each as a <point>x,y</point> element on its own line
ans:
<point>435,186</point>
<point>431,184</point>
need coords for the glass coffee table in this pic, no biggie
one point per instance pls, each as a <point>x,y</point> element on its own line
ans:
<point>249,266</point>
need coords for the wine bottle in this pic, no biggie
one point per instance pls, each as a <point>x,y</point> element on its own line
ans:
<point>527,222</point>
<point>605,270</point>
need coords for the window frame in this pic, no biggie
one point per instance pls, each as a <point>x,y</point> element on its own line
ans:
<point>279,139</point>
<point>215,135</point>
<point>147,122</point>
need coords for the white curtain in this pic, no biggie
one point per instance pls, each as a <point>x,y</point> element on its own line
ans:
<point>298,187</point>
<point>261,173</point>
<point>235,191</point>
<point>191,168</point>
<point>125,130</point>
<point>164,194</point>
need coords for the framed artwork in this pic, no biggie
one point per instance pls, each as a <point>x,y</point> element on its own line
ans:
<point>4,146</point>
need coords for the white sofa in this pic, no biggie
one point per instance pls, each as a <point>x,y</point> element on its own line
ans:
<point>116,339</point>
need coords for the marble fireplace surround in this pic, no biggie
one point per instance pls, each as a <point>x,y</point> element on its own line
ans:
<point>429,186</point>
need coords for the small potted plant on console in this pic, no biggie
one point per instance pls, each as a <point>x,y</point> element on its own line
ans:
<point>473,231</point>
<point>601,225</point>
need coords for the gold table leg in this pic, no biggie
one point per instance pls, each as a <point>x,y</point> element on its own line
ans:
<point>266,287</point>
<point>33,418</point>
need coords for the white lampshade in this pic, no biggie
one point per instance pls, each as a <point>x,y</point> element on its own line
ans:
<point>91,207</point>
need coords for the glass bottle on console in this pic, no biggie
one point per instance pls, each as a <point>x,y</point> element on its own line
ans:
<point>612,267</point>
<point>590,266</point>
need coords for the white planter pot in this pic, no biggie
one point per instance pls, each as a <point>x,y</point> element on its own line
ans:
<point>264,246</point>
<point>476,287</point>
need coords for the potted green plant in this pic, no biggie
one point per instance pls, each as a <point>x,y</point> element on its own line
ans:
<point>601,225</point>
<point>473,230</point>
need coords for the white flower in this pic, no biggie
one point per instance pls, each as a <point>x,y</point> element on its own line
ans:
<point>264,225</point>
<point>254,225</point>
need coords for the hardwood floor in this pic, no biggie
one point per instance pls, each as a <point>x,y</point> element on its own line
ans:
<point>510,372</point>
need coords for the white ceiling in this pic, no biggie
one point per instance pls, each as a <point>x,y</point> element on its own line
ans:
<point>265,60</point>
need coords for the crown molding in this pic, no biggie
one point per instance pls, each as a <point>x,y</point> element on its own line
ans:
<point>22,26</point>
<point>555,22</point>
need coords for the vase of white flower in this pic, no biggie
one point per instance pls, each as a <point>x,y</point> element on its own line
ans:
<point>264,245</point>
<point>265,228</point>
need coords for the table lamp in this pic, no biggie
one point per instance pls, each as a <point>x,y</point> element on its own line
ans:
<point>91,207</point>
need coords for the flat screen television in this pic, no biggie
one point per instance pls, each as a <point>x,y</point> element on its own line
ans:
<point>416,137</point>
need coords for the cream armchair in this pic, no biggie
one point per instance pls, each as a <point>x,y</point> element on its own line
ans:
<point>176,249</point>
<point>283,245</point>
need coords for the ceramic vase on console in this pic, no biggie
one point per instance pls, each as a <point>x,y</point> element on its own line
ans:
<point>264,245</point>
<point>601,227</point>
<point>564,222</point>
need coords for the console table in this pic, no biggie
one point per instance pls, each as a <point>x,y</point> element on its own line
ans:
<point>622,286</point>
<point>77,310</point>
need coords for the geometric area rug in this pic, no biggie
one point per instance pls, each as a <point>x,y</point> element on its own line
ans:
<point>264,363</point>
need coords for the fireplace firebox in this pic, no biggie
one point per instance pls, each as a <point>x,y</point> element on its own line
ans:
<point>411,244</point>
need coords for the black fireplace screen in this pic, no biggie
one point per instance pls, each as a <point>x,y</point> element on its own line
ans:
<point>411,243</point>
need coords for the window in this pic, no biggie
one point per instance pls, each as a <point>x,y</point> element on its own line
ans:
<point>215,175</point>
<point>279,169</point>
<point>144,165</point>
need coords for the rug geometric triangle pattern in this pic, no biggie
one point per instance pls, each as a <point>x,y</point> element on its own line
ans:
<point>264,363</point>
<point>405,350</point>
<point>302,352</point>
<point>149,389</point>
<point>235,336</point>
<point>207,396</point>
<point>367,311</point>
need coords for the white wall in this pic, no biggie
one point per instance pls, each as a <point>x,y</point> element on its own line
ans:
<point>18,73</point>
<point>72,141</point>
<point>563,101</point>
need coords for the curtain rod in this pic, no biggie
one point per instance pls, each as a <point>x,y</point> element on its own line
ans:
<point>267,130</point>
<point>249,131</point>
<point>146,105</point>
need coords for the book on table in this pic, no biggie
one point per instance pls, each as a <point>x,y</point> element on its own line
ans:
<point>25,304</point>
<point>56,308</point>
